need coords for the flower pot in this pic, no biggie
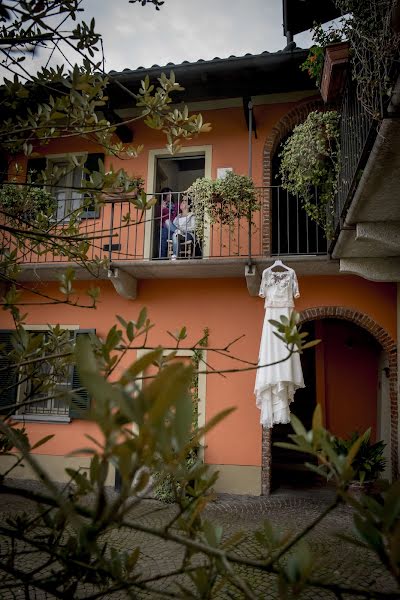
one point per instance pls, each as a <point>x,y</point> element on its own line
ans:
<point>334,72</point>
<point>367,488</point>
<point>118,195</point>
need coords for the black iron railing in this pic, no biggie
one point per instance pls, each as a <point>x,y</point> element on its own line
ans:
<point>357,134</point>
<point>121,232</point>
<point>292,230</point>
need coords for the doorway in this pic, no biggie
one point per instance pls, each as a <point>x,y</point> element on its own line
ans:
<point>288,468</point>
<point>177,174</point>
<point>349,364</point>
<point>345,374</point>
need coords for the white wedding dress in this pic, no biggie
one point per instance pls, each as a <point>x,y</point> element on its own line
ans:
<point>275,385</point>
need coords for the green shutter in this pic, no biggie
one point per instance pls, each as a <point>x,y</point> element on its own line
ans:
<point>3,169</point>
<point>80,403</point>
<point>35,166</point>
<point>92,164</point>
<point>8,372</point>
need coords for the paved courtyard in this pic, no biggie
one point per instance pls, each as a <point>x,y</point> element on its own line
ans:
<point>335,560</point>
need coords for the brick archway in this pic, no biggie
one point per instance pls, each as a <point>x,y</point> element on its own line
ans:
<point>281,129</point>
<point>387,344</point>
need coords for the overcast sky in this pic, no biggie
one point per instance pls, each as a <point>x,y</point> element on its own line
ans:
<point>135,36</point>
<point>187,30</point>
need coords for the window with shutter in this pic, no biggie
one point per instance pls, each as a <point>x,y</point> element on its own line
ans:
<point>49,403</point>
<point>80,403</point>
<point>8,374</point>
<point>91,164</point>
<point>67,190</point>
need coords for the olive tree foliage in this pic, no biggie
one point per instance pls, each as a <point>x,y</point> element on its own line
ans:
<point>64,547</point>
<point>64,102</point>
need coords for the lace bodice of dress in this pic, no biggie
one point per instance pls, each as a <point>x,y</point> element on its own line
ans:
<point>279,288</point>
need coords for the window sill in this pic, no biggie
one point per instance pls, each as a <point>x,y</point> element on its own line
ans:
<point>42,418</point>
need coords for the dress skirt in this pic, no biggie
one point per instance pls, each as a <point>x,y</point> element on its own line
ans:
<point>276,384</point>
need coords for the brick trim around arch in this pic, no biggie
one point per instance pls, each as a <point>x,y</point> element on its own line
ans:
<point>387,344</point>
<point>294,117</point>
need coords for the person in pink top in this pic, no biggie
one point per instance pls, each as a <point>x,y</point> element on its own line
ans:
<point>168,214</point>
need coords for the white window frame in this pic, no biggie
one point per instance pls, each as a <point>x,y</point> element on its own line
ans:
<point>150,189</point>
<point>201,389</point>
<point>48,418</point>
<point>74,198</point>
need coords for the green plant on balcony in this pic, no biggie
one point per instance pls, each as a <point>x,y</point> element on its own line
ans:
<point>222,201</point>
<point>368,462</point>
<point>310,165</point>
<point>28,205</point>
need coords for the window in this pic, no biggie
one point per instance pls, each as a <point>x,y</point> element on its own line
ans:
<point>67,190</point>
<point>51,402</point>
<point>186,355</point>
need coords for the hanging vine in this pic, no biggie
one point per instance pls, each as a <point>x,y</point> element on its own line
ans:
<point>375,50</point>
<point>310,165</point>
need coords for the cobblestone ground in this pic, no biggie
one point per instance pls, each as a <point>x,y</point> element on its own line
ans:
<point>335,560</point>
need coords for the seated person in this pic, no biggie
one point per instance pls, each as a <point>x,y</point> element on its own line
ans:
<point>183,227</point>
<point>168,214</point>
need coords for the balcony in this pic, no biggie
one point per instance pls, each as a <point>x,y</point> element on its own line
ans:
<point>357,134</point>
<point>128,239</point>
<point>367,213</point>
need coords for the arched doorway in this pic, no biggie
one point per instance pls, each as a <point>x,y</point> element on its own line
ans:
<point>347,375</point>
<point>352,374</point>
<point>292,230</point>
<point>283,237</point>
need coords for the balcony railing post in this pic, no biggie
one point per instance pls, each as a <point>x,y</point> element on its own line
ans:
<point>250,169</point>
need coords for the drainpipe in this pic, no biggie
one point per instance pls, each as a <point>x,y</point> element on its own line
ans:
<point>111,234</point>
<point>250,170</point>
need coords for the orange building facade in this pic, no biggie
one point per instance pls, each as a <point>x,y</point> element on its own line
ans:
<point>352,373</point>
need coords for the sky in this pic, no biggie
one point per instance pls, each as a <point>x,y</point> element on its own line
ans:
<point>135,36</point>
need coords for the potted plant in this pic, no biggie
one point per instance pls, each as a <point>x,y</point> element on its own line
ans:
<point>368,463</point>
<point>222,200</point>
<point>118,186</point>
<point>327,60</point>
<point>336,60</point>
<point>310,165</point>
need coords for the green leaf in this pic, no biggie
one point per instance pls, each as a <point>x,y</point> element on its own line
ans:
<point>142,318</point>
<point>317,418</point>
<point>140,365</point>
<point>310,344</point>
<point>298,426</point>
<point>353,450</point>
<point>85,359</point>
<point>42,441</point>
<point>392,505</point>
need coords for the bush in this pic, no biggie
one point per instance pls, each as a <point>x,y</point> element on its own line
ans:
<point>26,202</point>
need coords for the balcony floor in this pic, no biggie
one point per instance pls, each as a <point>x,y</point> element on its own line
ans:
<point>186,269</point>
